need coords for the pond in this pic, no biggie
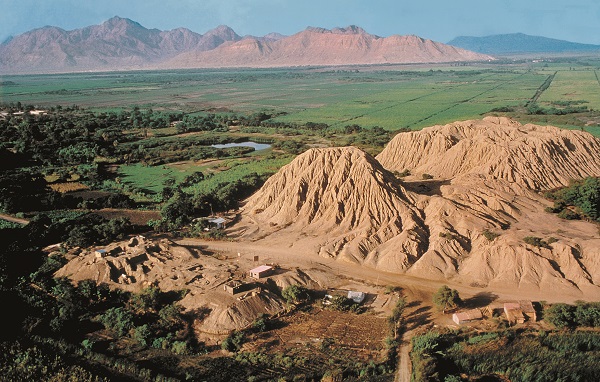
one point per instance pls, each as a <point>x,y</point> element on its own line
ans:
<point>256,146</point>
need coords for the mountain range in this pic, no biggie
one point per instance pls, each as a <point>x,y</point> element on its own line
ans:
<point>123,44</point>
<point>516,43</point>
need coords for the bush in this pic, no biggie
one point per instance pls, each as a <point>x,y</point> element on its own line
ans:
<point>260,324</point>
<point>294,294</point>
<point>402,174</point>
<point>491,236</point>
<point>568,214</point>
<point>233,343</point>
<point>446,298</point>
<point>535,241</point>
<point>344,304</point>
<point>427,176</point>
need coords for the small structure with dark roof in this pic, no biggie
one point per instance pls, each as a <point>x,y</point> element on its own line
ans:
<point>261,271</point>
<point>467,316</point>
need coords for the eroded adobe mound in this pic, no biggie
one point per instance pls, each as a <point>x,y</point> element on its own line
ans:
<point>468,223</point>
<point>346,197</point>
<point>531,156</point>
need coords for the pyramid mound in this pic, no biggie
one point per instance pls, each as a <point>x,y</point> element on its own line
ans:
<point>531,156</point>
<point>467,224</point>
<point>345,194</point>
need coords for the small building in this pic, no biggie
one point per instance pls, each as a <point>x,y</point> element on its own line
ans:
<point>357,297</point>
<point>261,271</point>
<point>467,316</point>
<point>519,312</point>
<point>528,310</point>
<point>218,223</point>
<point>234,287</point>
<point>101,253</point>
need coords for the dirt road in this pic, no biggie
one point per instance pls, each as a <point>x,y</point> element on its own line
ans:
<point>415,289</point>
<point>14,219</point>
<point>404,369</point>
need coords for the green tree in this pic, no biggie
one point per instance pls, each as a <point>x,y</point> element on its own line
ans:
<point>294,294</point>
<point>446,298</point>
<point>396,319</point>
<point>119,320</point>
<point>560,315</point>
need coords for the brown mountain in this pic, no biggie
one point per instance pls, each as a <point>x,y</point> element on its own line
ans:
<point>318,46</point>
<point>115,44</point>
<point>467,224</point>
<point>122,44</point>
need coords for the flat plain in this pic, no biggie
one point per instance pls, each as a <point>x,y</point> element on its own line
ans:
<point>395,97</point>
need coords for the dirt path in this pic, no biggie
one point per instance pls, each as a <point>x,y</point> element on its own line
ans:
<point>415,289</point>
<point>404,364</point>
<point>14,219</point>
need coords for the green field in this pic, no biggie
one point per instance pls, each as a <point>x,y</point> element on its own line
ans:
<point>574,85</point>
<point>397,97</point>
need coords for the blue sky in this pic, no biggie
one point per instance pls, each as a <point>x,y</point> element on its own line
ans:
<point>439,20</point>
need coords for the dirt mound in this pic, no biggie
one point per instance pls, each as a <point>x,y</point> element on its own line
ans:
<point>141,262</point>
<point>346,196</point>
<point>531,156</point>
<point>467,224</point>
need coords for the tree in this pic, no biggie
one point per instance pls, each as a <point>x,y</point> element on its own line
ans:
<point>396,320</point>
<point>446,298</point>
<point>294,293</point>
<point>560,315</point>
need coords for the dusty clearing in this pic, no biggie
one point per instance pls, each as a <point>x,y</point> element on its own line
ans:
<point>318,329</point>
<point>136,217</point>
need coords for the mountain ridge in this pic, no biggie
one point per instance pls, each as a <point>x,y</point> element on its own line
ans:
<point>513,43</point>
<point>123,44</point>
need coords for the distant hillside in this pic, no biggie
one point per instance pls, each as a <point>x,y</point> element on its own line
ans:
<point>123,44</point>
<point>117,43</point>
<point>319,46</point>
<point>519,43</point>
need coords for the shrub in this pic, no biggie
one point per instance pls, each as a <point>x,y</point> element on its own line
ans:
<point>491,236</point>
<point>535,241</point>
<point>234,342</point>
<point>344,304</point>
<point>448,236</point>
<point>568,214</point>
<point>260,324</point>
<point>446,298</point>
<point>402,174</point>
<point>427,176</point>
<point>294,294</point>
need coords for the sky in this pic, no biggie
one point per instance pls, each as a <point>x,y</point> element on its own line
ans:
<point>439,20</point>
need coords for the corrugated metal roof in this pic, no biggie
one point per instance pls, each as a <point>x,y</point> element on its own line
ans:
<point>356,296</point>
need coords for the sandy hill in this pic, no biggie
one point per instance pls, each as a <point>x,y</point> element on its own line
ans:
<point>346,196</point>
<point>318,46</point>
<point>340,202</point>
<point>534,157</point>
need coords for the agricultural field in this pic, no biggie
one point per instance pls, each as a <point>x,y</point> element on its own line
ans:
<point>392,97</point>
<point>574,85</point>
